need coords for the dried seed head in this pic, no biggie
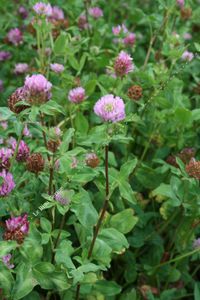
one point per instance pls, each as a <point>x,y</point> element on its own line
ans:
<point>16,236</point>
<point>35,163</point>
<point>17,228</point>
<point>186,13</point>
<point>135,92</point>
<point>186,154</point>
<point>92,160</point>
<point>171,160</point>
<point>193,168</point>
<point>19,95</point>
<point>53,145</point>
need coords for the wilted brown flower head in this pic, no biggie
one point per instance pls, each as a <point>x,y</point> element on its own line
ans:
<point>171,160</point>
<point>135,92</point>
<point>186,154</point>
<point>186,13</point>
<point>35,163</point>
<point>193,168</point>
<point>19,95</point>
<point>92,160</point>
<point>53,145</point>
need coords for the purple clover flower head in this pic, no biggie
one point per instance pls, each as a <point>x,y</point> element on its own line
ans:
<point>124,28</point>
<point>187,56</point>
<point>82,22</point>
<point>187,36</point>
<point>96,12</point>
<point>110,108</point>
<point>57,131</point>
<point>4,55</point>
<point>1,86</point>
<point>26,131</point>
<point>6,260</point>
<point>57,13</point>
<point>21,68</point>
<point>42,8</point>
<point>180,3</point>
<point>23,12</point>
<point>196,243</point>
<point>15,36</point>
<point>123,64</point>
<point>38,88</point>
<point>20,223</point>
<point>23,152</point>
<point>5,155</point>
<point>12,142</point>
<point>116,30</point>
<point>8,183</point>
<point>77,95</point>
<point>57,68</point>
<point>4,124</point>
<point>37,83</point>
<point>62,197</point>
<point>129,40</point>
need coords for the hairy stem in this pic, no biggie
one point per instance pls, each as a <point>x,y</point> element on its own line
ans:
<point>51,173</point>
<point>178,258</point>
<point>44,135</point>
<point>58,236</point>
<point>101,217</point>
<point>154,37</point>
<point>105,205</point>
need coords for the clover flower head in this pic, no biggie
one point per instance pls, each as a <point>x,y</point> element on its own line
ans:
<point>130,39</point>
<point>15,36</point>
<point>123,64</point>
<point>187,56</point>
<point>6,260</point>
<point>95,12</point>
<point>110,108</point>
<point>21,68</point>
<point>77,95</point>
<point>196,243</point>
<point>57,68</point>
<point>8,183</point>
<point>38,88</point>
<point>180,3</point>
<point>42,8</point>
<point>23,12</point>
<point>116,29</point>
<point>57,13</point>
<point>5,156</point>
<point>4,55</point>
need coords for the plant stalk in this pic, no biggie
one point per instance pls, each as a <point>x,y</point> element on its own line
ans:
<point>101,217</point>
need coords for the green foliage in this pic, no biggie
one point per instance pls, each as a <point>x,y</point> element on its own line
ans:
<point>113,208</point>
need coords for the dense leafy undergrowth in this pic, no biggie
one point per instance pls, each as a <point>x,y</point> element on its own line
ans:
<point>99,149</point>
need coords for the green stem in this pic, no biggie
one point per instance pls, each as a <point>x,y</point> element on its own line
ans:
<point>178,258</point>
<point>155,35</point>
<point>58,236</point>
<point>72,124</point>
<point>101,217</point>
